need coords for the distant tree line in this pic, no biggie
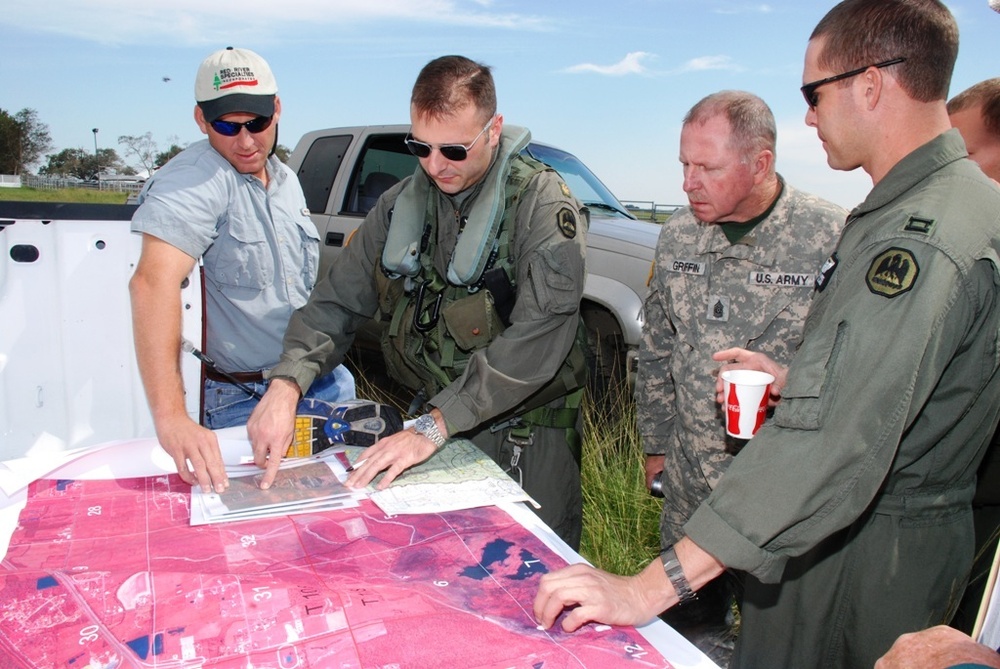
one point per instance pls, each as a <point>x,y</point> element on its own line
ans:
<point>24,140</point>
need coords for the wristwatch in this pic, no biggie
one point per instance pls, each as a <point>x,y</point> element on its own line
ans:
<point>427,426</point>
<point>672,567</point>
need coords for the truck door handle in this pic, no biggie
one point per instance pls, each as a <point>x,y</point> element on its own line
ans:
<point>335,239</point>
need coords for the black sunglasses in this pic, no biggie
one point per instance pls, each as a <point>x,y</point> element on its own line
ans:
<point>453,152</point>
<point>232,128</point>
<point>809,90</point>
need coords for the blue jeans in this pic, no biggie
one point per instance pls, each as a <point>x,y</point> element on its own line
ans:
<point>227,405</point>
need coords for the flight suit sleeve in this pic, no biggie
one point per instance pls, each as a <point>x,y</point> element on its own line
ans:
<point>821,462</point>
<point>320,333</point>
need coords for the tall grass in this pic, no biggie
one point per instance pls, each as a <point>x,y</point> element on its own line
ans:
<point>621,520</point>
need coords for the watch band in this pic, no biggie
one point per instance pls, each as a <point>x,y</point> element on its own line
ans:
<point>427,426</point>
<point>672,567</point>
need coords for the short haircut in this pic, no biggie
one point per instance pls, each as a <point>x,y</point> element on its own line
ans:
<point>860,33</point>
<point>448,84</point>
<point>750,120</point>
<point>986,95</point>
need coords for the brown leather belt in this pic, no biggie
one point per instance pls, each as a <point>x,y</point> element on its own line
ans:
<point>242,377</point>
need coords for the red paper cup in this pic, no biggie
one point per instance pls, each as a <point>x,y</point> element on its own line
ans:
<point>747,392</point>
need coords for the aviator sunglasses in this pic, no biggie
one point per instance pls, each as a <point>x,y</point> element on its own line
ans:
<point>453,152</point>
<point>809,90</point>
<point>232,128</point>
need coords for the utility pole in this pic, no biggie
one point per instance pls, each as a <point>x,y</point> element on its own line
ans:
<point>97,161</point>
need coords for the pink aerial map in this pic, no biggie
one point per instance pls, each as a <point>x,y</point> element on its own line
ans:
<point>105,574</point>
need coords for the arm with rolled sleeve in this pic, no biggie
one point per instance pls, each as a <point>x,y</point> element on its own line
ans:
<point>179,212</point>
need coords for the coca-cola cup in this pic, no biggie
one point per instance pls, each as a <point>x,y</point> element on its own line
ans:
<point>747,392</point>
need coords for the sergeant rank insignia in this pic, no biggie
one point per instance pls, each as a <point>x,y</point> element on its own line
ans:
<point>892,273</point>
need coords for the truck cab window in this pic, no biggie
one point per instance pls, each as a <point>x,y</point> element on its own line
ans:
<point>384,162</point>
<point>319,168</point>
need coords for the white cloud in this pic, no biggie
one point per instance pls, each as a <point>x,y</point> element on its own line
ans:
<point>802,161</point>
<point>632,63</point>
<point>195,22</point>
<point>745,9</point>
<point>704,63</point>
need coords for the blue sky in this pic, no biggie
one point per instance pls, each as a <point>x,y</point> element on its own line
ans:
<point>608,81</point>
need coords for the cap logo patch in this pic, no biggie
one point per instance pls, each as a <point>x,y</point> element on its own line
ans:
<point>892,273</point>
<point>231,77</point>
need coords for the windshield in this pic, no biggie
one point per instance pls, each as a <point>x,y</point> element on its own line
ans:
<point>584,184</point>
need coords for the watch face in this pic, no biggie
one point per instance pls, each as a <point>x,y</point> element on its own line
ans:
<point>426,426</point>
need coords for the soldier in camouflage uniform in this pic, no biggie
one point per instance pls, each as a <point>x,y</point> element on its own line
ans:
<point>735,268</point>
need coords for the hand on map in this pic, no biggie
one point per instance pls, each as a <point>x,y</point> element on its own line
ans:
<point>394,454</point>
<point>191,444</point>
<point>740,358</point>
<point>271,427</point>
<point>940,646</point>
<point>593,595</point>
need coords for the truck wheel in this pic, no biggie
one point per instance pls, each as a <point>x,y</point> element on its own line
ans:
<point>606,357</point>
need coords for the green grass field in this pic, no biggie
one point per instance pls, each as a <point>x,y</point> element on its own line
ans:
<point>85,195</point>
<point>621,520</point>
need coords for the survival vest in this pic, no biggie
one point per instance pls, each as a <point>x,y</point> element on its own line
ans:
<point>436,323</point>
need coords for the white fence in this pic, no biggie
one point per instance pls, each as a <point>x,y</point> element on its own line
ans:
<point>10,180</point>
<point>114,184</point>
<point>649,210</point>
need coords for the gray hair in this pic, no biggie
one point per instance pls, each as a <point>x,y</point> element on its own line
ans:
<point>751,120</point>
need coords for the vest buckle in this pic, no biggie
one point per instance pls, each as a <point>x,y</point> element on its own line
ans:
<point>424,323</point>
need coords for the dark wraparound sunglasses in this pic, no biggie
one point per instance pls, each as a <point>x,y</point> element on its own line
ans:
<point>809,90</point>
<point>453,152</point>
<point>232,128</point>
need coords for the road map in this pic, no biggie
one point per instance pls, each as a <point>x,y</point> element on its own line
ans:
<point>109,573</point>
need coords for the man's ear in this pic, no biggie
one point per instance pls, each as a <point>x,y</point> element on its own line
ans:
<point>873,80</point>
<point>199,118</point>
<point>496,130</point>
<point>763,165</point>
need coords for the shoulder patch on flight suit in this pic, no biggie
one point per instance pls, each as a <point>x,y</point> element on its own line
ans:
<point>565,189</point>
<point>917,224</point>
<point>892,273</point>
<point>566,220</point>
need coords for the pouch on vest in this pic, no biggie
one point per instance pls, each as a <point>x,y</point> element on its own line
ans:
<point>473,321</point>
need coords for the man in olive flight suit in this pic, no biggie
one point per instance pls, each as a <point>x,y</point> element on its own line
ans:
<point>851,510</point>
<point>476,263</point>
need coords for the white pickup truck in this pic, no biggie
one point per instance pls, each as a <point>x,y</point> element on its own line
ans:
<point>68,375</point>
